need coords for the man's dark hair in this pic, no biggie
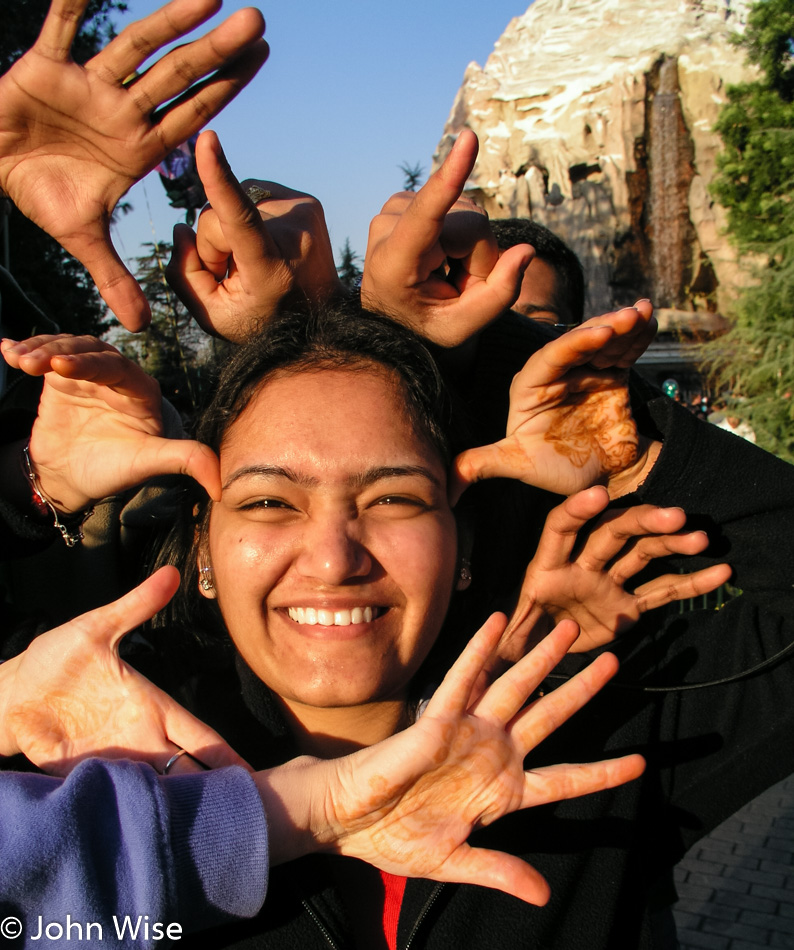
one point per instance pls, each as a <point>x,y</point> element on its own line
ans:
<point>556,253</point>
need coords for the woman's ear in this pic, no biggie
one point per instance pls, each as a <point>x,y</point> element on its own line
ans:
<point>464,575</point>
<point>206,579</point>
<point>206,582</point>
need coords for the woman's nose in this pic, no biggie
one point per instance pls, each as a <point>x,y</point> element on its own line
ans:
<point>333,552</point>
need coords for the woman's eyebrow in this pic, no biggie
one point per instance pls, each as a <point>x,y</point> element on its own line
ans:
<point>372,475</point>
<point>358,481</point>
<point>271,471</point>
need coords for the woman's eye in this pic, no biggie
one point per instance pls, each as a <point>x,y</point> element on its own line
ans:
<point>262,503</point>
<point>401,500</point>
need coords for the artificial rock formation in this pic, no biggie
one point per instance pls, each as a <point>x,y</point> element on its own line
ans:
<point>595,118</point>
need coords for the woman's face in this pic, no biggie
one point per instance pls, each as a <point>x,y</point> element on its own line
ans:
<point>333,548</point>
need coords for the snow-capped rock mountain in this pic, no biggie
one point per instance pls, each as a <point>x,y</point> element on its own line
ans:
<point>595,117</point>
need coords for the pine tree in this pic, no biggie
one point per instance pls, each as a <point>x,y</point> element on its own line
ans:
<point>754,361</point>
<point>348,270</point>
<point>412,176</point>
<point>173,349</point>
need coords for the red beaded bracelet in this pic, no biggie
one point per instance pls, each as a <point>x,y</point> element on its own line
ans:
<point>70,526</point>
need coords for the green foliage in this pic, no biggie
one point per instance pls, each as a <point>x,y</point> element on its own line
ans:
<point>767,40</point>
<point>173,349</point>
<point>348,270</point>
<point>22,20</point>
<point>754,361</point>
<point>53,279</point>
<point>756,167</point>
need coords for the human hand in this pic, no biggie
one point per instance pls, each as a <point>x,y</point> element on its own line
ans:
<point>570,424</point>
<point>246,260</point>
<point>417,236</point>
<point>409,803</point>
<point>99,425</point>
<point>581,573</point>
<point>69,696</point>
<point>73,139</point>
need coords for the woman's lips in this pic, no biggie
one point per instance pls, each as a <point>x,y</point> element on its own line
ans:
<point>336,617</point>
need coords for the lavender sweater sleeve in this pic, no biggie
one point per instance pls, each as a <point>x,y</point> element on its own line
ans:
<point>118,846</point>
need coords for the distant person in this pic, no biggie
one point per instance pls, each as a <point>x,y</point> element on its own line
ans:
<point>723,420</point>
<point>552,290</point>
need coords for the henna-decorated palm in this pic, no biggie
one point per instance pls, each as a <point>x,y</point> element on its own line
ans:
<point>246,259</point>
<point>461,766</point>
<point>69,695</point>
<point>73,139</point>
<point>439,272</point>
<point>570,424</point>
<point>99,426</point>
<point>582,571</point>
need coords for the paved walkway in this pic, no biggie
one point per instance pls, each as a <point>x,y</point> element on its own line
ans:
<point>736,887</point>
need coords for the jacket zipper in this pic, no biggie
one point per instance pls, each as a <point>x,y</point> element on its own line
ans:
<point>424,912</point>
<point>329,939</point>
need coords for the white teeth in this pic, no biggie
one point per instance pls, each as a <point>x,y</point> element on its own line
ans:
<point>331,618</point>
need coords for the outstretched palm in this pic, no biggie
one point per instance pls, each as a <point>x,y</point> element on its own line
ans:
<point>70,696</point>
<point>461,766</point>
<point>74,138</point>
<point>570,424</point>
<point>99,426</point>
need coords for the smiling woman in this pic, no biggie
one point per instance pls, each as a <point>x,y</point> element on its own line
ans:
<point>331,556</point>
<point>333,547</point>
<point>329,563</point>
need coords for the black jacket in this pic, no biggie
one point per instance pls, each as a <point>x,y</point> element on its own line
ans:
<point>709,749</point>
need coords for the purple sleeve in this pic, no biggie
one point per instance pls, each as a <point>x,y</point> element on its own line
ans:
<point>118,846</point>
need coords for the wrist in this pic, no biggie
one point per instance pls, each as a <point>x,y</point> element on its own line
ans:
<point>16,486</point>
<point>8,743</point>
<point>292,795</point>
<point>69,521</point>
<point>629,479</point>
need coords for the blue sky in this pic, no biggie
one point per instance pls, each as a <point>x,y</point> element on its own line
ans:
<point>352,89</point>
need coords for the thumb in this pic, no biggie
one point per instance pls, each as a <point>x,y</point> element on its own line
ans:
<point>483,300</point>
<point>505,279</point>
<point>180,457</point>
<point>502,872</point>
<point>111,623</point>
<point>202,464</point>
<point>473,465</point>
<point>118,287</point>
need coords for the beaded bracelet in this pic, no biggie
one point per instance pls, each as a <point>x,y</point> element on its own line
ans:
<point>70,526</point>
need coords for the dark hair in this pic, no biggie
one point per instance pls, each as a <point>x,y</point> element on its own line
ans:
<point>344,336</point>
<point>555,252</point>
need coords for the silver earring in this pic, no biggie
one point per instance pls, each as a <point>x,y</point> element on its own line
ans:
<point>464,575</point>
<point>205,581</point>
